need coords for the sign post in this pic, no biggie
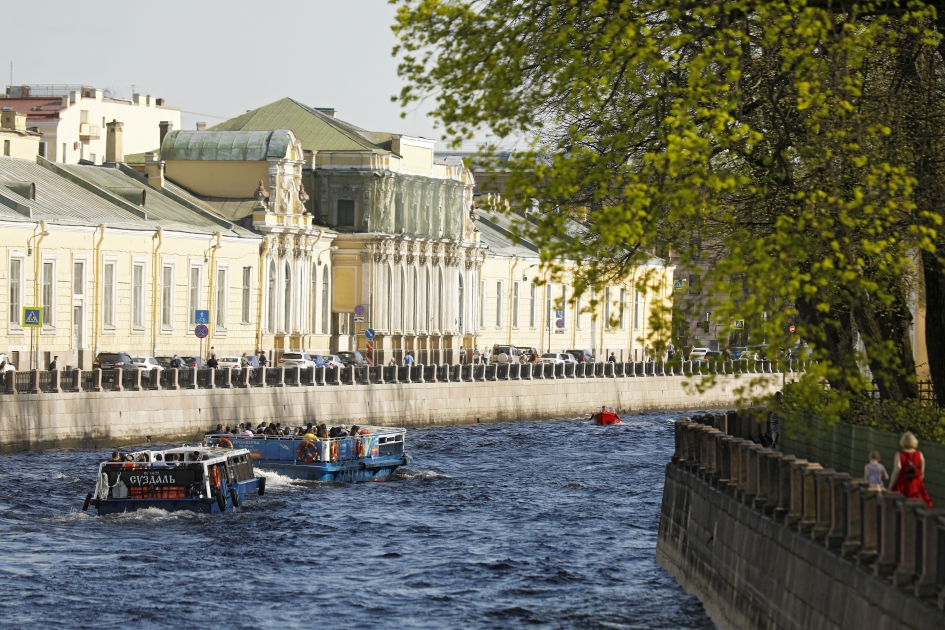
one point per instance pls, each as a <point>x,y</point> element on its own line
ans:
<point>369,334</point>
<point>33,319</point>
<point>202,319</point>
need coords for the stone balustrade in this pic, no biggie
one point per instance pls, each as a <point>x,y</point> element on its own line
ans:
<point>78,381</point>
<point>895,538</point>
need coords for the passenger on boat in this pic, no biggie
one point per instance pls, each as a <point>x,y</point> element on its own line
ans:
<point>217,431</point>
<point>143,457</point>
<point>158,461</point>
<point>322,432</point>
<point>116,457</point>
<point>247,431</point>
<point>355,430</point>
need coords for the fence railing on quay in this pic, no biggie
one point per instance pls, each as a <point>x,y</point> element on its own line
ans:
<point>90,381</point>
<point>894,537</point>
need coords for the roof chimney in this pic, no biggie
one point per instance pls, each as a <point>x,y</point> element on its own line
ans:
<point>330,111</point>
<point>154,169</point>
<point>114,142</point>
<point>201,126</point>
<point>165,127</point>
<point>13,120</point>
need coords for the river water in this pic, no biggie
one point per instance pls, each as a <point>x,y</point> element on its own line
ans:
<point>492,526</point>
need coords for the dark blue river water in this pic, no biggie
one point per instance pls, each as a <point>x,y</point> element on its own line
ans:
<point>492,526</point>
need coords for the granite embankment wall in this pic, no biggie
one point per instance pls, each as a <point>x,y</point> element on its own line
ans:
<point>766,540</point>
<point>847,447</point>
<point>95,419</point>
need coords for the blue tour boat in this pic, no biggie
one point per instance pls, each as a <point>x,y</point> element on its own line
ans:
<point>373,455</point>
<point>194,478</point>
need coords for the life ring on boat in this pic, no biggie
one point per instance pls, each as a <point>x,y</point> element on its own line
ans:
<point>224,442</point>
<point>306,452</point>
<point>215,477</point>
<point>334,451</point>
<point>360,448</point>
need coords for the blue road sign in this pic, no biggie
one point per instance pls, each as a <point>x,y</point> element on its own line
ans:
<point>559,323</point>
<point>32,316</point>
<point>677,284</point>
<point>359,310</point>
<point>201,331</point>
<point>201,317</point>
<point>559,313</point>
<point>369,333</point>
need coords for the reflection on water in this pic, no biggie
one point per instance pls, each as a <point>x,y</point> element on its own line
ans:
<point>492,526</point>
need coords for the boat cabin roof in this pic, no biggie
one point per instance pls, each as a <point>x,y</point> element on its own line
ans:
<point>208,454</point>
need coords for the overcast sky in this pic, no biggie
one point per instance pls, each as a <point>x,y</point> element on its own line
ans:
<point>215,59</point>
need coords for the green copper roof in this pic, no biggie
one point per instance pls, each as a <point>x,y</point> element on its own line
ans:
<point>317,131</point>
<point>216,145</point>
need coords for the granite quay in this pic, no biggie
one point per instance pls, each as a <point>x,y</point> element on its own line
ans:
<point>769,540</point>
<point>95,408</point>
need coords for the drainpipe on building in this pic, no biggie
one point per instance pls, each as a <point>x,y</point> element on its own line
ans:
<point>159,235</point>
<point>263,250</point>
<point>211,302</point>
<point>37,298</point>
<point>98,291</point>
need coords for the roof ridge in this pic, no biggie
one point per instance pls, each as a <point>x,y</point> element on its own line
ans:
<point>354,133</point>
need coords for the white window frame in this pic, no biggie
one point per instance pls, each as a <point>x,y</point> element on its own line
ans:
<point>564,305</point>
<point>578,315</point>
<point>326,299</point>
<point>607,308</point>
<point>636,309</point>
<point>139,328</point>
<point>499,290</point>
<point>110,328</point>
<point>221,289</point>
<point>193,305</point>
<point>623,308</point>
<point>80,299</point>
<point>482,303</point>
<point>313,299</point>
<point>50,314</point>
<point>168,297</point>
<point>516,298</point>
<point>533,306</point>
<point>15,314</point>
<point>246,296</point>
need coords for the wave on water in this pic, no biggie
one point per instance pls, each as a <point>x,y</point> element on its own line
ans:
<point>274,480</point>
<point>423,475</point>
<point>152,515</point>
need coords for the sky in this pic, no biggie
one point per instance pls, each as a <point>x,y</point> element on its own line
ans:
<point>216,59</point>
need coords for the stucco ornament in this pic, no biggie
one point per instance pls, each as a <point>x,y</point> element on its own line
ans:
<point>303,196</point>
<point>261,196</point>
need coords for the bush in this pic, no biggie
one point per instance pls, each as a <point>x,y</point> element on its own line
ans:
<point>925,420</point>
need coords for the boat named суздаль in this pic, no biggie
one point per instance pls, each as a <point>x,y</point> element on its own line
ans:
<point>372,455</point>
<point>193,478</point>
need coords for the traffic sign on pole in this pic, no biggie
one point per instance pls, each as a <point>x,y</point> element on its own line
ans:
<point>559,323</point>
<point>369,333</point>
<point>792,329</point>
<point>359,310</point>
<point>201,331</point>
<point>201,317</point>
<point>32,316</point>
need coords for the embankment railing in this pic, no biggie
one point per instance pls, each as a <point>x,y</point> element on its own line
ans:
<point>896,538</point>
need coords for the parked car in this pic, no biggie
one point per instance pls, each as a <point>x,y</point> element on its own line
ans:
<point>568,357</point>
<point>296,359</point>
<point>165,362</point>
<point>194,362</point>
<point>232,362</point>
<point>739,352</point>
<point>512,354</point>
<point>698,354</point>
<point>7,365</point>
<point>582,356</point>
<point>147,363</point>
<point>352,358</point>
<point>555,357</point>
<point>528,353</point>
<point>328,360</point>
<point>114,361</point>
<point>713,355</point>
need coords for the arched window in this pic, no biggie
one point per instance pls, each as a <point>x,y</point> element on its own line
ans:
<point>325,301</point>
<point>288,299</point>
<point>272,297</point>
<point>416,301</point>
<point>427,323</point>
<point>390,300</point>
<point>439,303</point>
<point>459,312</point>
<point>403,300</point>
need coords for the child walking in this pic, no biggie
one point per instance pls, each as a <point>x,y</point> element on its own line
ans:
<point>875,473</point>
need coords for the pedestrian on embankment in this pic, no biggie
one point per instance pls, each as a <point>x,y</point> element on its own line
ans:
<point>874,473</point>
<point>908,477</point>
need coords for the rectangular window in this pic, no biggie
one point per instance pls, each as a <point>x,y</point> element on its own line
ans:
<point>63,152</point>
<point>78,278</point>
<point>533,305</point>
<point>16,284</point>
<point>137,296</point>
<point>515,299</point>
<point>695,284</point>
<point>607,307</point>
<point>636,310</point>
<point>167,297</point>
<point>623,308</point>
<point>313,310</point>
<point>92,158</point>
<point>83,116</point>
<point>346,212</point>
<point>579,316</point>
<point>325,301</point>
<point>49,284</point>
<point>42,149</point>
<point>549,313</point>
<point>564,304</point>
<point>194,295</point>
<point>482,304</point>
<point>6,148</point>
<point>247,293</point>
<point>108,295</point>
<point>221,300</point>
<point>498,304</point>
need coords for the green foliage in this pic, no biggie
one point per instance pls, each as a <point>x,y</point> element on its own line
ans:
<point>776,135</point>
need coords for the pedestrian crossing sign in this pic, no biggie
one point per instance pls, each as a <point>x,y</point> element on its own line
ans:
<point>32,316</point>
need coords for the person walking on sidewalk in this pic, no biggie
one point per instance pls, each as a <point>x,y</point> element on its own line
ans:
<point>908,475</point>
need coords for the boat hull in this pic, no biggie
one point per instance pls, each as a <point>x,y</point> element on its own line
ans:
<point>342,472</point>
<point>606,417</point>
<point>202,506</point>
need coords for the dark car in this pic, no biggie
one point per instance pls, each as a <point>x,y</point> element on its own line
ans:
<point>194,362</point>
<point>582,356</point>
<point>352,358</point>
<point>114,361</point>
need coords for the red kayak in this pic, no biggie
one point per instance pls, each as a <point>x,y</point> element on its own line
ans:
<point>606,415</point>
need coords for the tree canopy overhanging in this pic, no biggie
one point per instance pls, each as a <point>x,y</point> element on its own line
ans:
<point>800,141</point>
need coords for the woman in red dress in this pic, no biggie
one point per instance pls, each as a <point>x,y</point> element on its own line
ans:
<point>908,475</point>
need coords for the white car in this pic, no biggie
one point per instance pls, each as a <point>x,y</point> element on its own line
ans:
<point>698,354</point>
<point>556,358</point>
<point>7,366</point>
<point>147,363</point>
<point>300,359</point>
<point>332,360</point>
<point>230,362</point>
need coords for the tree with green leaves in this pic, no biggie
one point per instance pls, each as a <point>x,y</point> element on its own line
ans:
<point>800,141</point>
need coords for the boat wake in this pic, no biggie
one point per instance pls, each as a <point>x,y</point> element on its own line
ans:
<point>422,475</point>
<point>274,480</point>
<point>151,515</point>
